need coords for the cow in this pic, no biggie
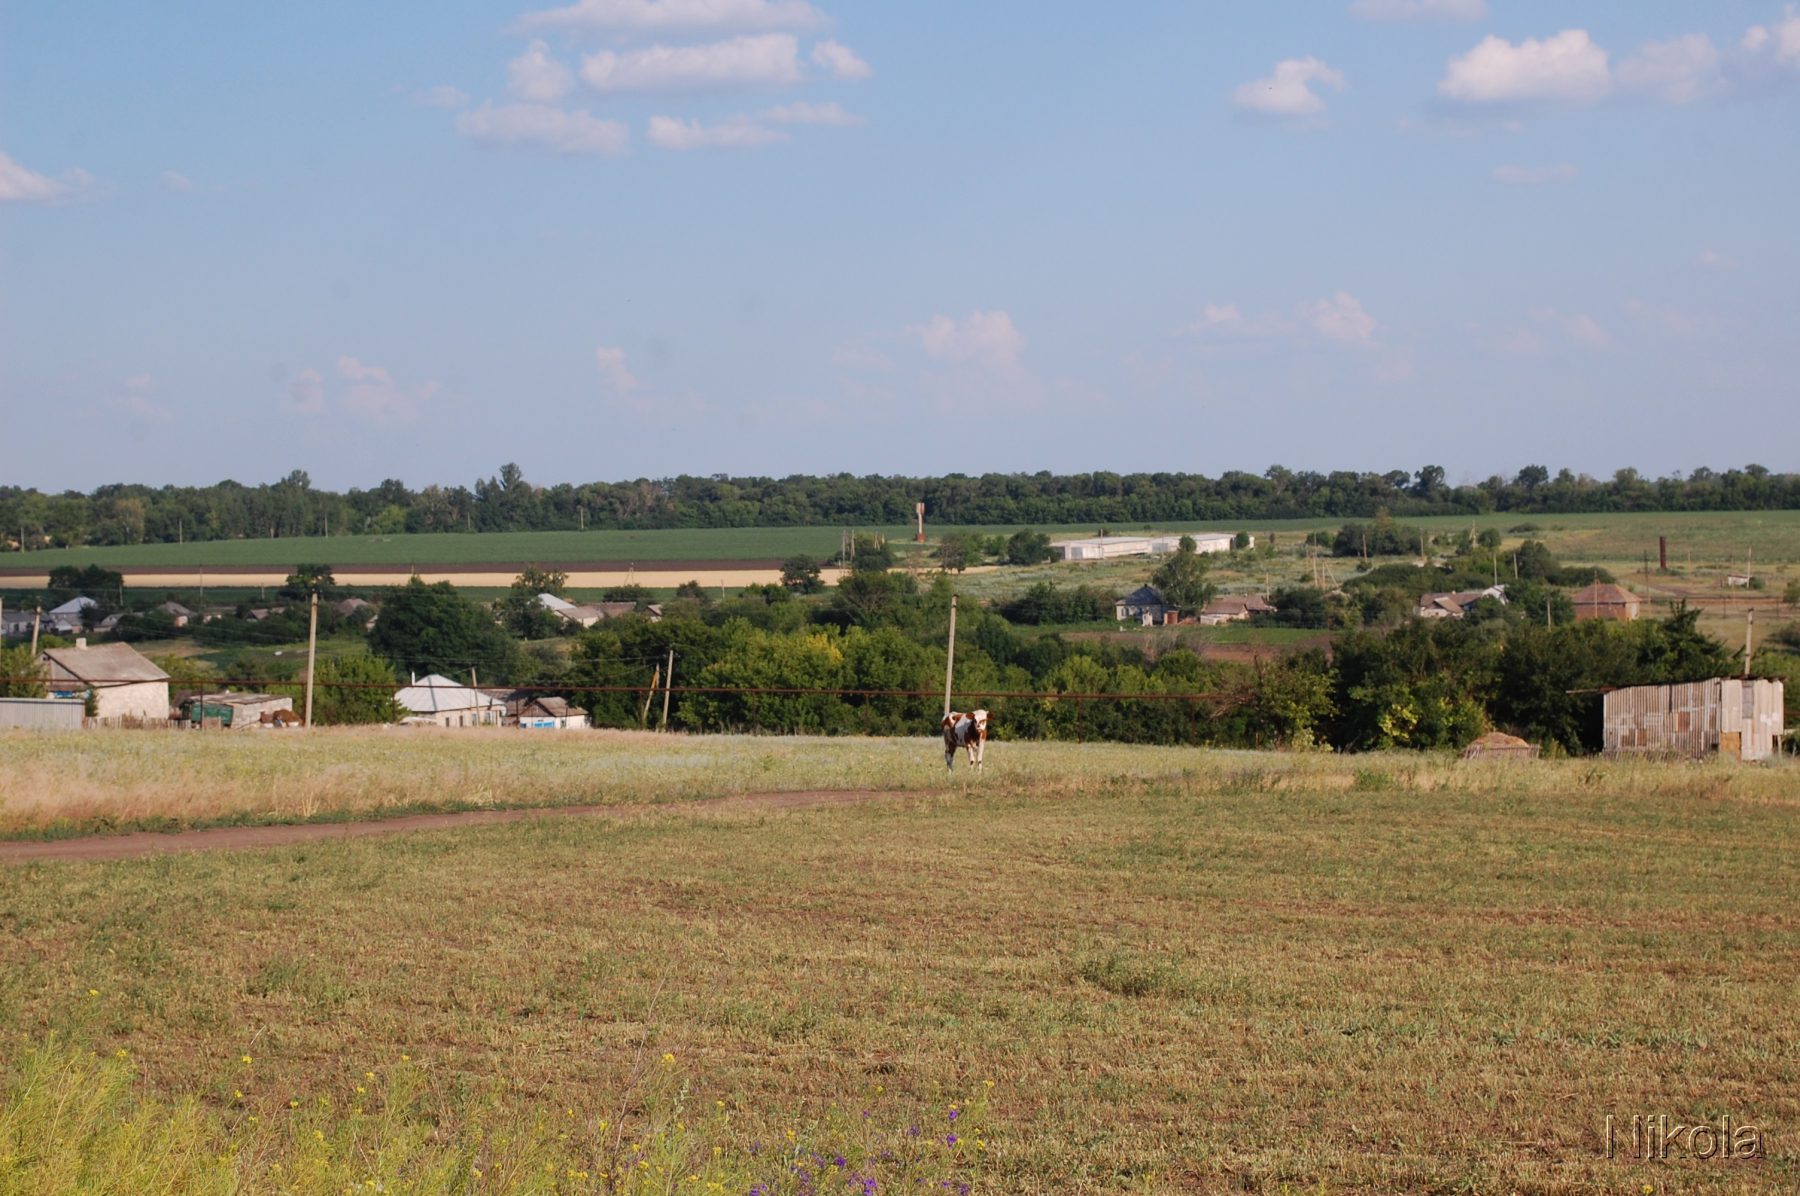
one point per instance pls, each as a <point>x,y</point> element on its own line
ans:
<point>968,731</point>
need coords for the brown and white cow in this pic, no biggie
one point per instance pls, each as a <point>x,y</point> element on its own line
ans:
<point>967,731</point>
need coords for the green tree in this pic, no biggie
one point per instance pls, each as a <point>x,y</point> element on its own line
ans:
<point>308,579</point>
<point>355,690</point>
<point>954,552</point>
<point>800,575</point>
<point>434,629</point>
<point>1183,580</point>
<point>20,675</point>
<point>521,613</point>
<point>1027,547</point>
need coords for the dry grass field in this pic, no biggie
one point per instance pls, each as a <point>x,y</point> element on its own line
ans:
<point>1093,969</point>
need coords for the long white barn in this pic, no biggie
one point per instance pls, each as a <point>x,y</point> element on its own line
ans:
<point>1106,548</point>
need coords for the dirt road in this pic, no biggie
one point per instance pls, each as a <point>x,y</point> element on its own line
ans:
<point>227,838</point>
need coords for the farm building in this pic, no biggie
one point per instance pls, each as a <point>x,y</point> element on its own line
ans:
<point>181,614</point>
<point>1234,609</point>
<point>1602,600</point>
<point>1107,548</point>
<point>541,712</point>
<point>1456,605</point>
<point>1733,716</point>
<point>1143,605</point>
<point>586,614</point>
<point>240,711</point>
<point>70,617</point>
<point>437,701</point>
<point>128,689</point>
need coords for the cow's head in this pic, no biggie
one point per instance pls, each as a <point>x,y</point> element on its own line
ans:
<point>981,721</point>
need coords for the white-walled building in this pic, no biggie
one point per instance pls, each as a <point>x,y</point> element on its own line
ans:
<point>440,702</point>
<point>1106,548</point>
<point>127,687</point>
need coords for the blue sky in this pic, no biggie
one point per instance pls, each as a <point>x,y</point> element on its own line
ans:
<point>619,238</point>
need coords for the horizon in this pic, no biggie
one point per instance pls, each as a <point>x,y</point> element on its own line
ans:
<point>643,239</point>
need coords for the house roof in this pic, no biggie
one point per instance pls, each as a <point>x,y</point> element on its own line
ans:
<point>175,608</point>
<point>73,606</point>
<point>437,694</point>
<point>1143,596</point>
<point>561,606</point>
<point>102,664</point>
<point>1603,594</point>
<point>1233,604</point>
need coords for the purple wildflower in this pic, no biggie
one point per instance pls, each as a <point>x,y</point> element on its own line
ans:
<point>949,1139</point>
<point>954,1114</point>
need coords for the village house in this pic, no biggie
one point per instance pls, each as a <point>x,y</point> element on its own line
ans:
<point>540,712</point>
<point>69,618</point>
<point>1456,605</point>
<point>179,613</point>
<point>128,689</point>
<point>586,614</point>
<point>437,701</point>
<point>1145,606</point>
<point>1234,609</point>
<point>1603,600</point>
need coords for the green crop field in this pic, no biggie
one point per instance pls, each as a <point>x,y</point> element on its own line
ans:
<point>1090,970</point>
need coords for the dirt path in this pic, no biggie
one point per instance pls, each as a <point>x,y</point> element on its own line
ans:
<point>226,838</point>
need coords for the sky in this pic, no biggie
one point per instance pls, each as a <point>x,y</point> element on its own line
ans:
<point>611,239</point>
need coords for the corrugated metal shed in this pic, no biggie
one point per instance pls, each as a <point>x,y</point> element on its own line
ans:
<point>42,714</point>
<point>1735,716</point>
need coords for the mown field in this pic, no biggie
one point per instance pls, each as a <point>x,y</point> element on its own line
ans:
<point>1090,970</point>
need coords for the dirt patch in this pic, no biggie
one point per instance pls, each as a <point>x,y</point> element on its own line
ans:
<point>231,838</point>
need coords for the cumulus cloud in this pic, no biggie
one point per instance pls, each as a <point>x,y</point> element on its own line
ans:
<point>1567,68</point>
<point>1780,41</point>
<point>1341,319</point>
<point>613,371</point>
<point>441,96</point>
<point>1679,70</point>
<point>537,77</point>
<point>1288,89</point>
<point>803,113</point>
<point>1419,10</point>
<point>1578,327</point>
<point>19,185</point>
<point>986,338</point>
<point>370,392</point>
<point>676,16</point>
<point>1530,176</point>
<point>540,127</point>
<point>668,132</point>
<point>174,180</point>
<point>840,60</point>
<point>770,59</point>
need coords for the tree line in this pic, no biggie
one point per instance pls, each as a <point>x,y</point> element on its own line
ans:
<point>507,501</point>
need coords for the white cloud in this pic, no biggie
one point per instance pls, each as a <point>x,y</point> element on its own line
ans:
<point>985,338</point>
<point>174,180</point>
<point>537,77</point>
<point>1679,70</point>
<point>671,133</point>
<point>441,96</point>
<point>1781,41</point>
<point>613,372</point>
<point>1342,319</point>
<point>371,393</point>
<point>19,185</point>
<point>677,16</point>
<point>536,126</point>
<point>1287,90</point>
<point>1224,320</point>
<point>762,60</point>
<point>1528,176</point>
<point>840,60</point>
<point>1579,327</point>
<point>1567,68</point>
<point>1670,321</point>
<point>306,394</point>
<point>1419,10</point>
<point>803,113</point>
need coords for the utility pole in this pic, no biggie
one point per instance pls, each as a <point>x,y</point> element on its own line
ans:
<point>950,656</point>
<point>1749,622</point>
<point>312,648</point>
<point>36,622</point>
<point>668,681</point>
<point>644,715</point>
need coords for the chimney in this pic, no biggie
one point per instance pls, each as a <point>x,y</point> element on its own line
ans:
<point>81,641</point>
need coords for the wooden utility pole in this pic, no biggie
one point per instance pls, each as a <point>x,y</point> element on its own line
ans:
<point>1749,622</point>
<point>950,656</point>
<point>668,680</point>
<point>37,621</point>
<point>312,650</point>
<point>644,715</point>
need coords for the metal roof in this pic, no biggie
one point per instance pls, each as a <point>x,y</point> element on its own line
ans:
<point>102,664</point>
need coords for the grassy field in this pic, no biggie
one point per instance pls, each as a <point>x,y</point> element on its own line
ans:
<point>1089,970</point>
